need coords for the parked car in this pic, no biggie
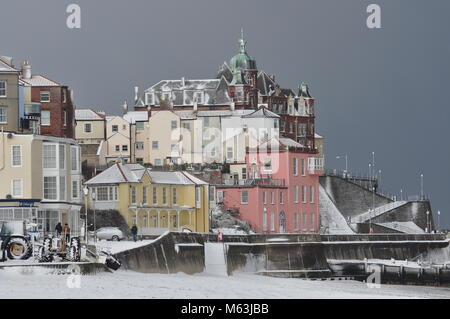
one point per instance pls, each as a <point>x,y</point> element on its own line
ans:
<point>110,233</point>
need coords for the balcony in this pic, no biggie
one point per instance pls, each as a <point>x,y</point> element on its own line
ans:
<point>266,182</point>
<point>316,165</point>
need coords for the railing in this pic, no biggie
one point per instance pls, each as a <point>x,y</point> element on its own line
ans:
<point>316,164</point>
<point>256,182</point>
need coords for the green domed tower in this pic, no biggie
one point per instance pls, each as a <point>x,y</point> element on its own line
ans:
<point>243,87</point>
<point>242,60</point>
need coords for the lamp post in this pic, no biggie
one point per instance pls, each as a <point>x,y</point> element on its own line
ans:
<point>401,194</point>
<point>93,206</point>
<point>346,162</point>
<point>373,164</point>
<point>428,225</point>
<point>421,186</point>
<point>439,222</point>
<point>86,193</point>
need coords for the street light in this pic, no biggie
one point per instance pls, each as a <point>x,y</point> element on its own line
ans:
<point>86,193</point>
<point>373,164</point>
<point>439,222</point>
<point>93,207</point>
<point>421,186</point>
<point>346,162</point>
<point>401,194</point>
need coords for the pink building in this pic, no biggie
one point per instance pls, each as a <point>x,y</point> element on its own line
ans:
<point>281,192</point>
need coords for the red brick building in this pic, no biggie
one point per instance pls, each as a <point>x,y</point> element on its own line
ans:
<point>57,110</point>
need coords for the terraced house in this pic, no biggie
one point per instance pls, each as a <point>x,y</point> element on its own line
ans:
<point>40,180</point>
<point>155,201</point>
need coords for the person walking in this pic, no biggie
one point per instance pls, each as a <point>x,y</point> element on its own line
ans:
<point>66,231</point>
<point>134,231</point>
<point>58,229</point>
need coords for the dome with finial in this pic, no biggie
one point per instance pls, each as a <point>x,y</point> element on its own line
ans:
<point>242,60</point>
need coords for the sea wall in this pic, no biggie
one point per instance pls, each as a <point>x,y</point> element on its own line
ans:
<point>302,254</point>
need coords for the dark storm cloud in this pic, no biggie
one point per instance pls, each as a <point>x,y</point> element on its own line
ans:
<point>377,90</point>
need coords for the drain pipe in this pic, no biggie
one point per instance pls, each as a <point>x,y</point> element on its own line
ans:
<point>3,151</point>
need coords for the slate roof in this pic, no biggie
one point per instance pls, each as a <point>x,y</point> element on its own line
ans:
<point>136,116</point>
<point>215,91</point>
<point>132,173</point>
<point>261,113</point>
<point>7,68</point>
<point>87,115</point>
<point>39,80</point>
<point>265,83</point>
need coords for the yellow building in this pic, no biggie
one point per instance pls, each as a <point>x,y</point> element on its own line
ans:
<point>154,201</point>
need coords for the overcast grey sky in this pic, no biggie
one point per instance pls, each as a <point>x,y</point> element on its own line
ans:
<point>377,90</point>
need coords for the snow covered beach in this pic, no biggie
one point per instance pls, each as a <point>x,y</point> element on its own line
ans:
<point>129,284</point>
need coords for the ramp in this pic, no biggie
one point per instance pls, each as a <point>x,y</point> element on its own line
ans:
<point>215,259</point>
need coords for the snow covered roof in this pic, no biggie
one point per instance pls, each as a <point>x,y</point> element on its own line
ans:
<point>182,92</point>
<point>262,113</point>
<point>39,80</point>
<point>132,173</point>
<point>7,68</point>
<point>280,143</point>
<point>87,115</point>
<point>136,116</point>
<point>317,135</point>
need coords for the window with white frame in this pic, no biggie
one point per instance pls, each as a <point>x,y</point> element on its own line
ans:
<point>272,221</point>
<point>164,199</point>
<point>174,196</point>
<point>133,194</point>
<point>75,190</point>
<point>62,188</point>
<point>149,98</point>
<point>267,164</point>
<point>140,126</point>
<point>45,118</point>
<point>197,197</point>
<point>45,97</point>
<point>244,173</point>
<point>124,148</point>
<point>87,127</point>
<point>304,222</point>
<point>117,148</point>
<point>187,126</point>
<point>105,193</point>
<point>65,118</point>
<point>272,198</point>
<point>173,125</point>
<point>281,197</point>
<point>115,128</point>
<point>295,167</point>
<point>16,156</point>
<point>264,197</point>
<point>3,114</point>
<point>50,188</point>
<point>62,156</point>
<point>74,158</point>
<point>244,197</point>
<point>144,195</point>
<point>295,193</point>
<point>157,162</point>
<point>16,188</point>
<point>139,145</point>
<point>303,167</point>
<point>303,193</point>
<point>264,223</point>
<point>155,145</point>
<point>311,194</point>
<point>49,155</point>
<point>229,153</point>
<point>296,222</point>
<point>312,222</point>
<point>220,196</point>
<point>3,89</point>
<point>199,96</point>
<point>155,198</point>
<point>64,95</point>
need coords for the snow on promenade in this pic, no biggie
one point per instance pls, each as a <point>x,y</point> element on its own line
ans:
<point>128,284</point>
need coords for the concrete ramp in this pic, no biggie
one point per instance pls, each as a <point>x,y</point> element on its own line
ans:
<point>215,260</point>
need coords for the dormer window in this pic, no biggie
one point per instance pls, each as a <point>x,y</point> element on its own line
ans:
<point>199,96</point>
<point>150,98</point>
<point>165,96</point>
